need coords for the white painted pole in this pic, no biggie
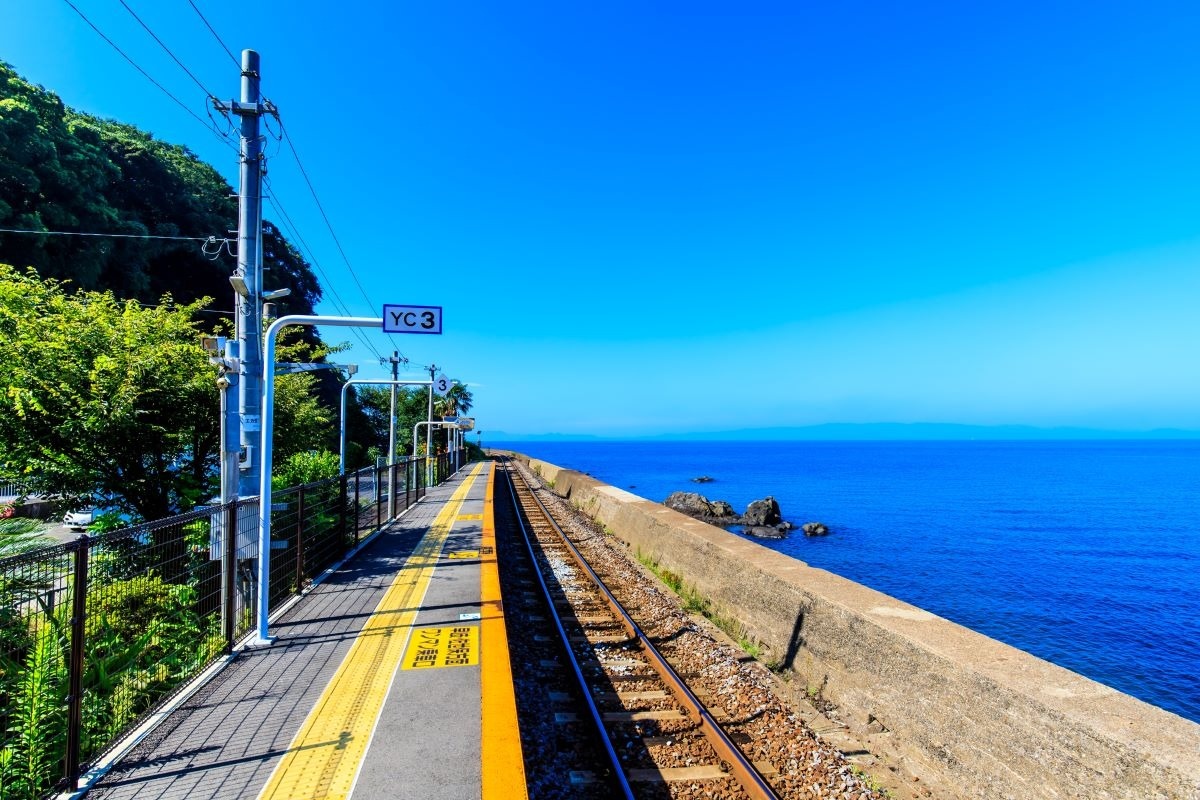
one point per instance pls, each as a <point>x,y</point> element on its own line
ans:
<point>268,420</point>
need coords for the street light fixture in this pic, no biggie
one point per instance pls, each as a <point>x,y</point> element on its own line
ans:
<point>239,285</point>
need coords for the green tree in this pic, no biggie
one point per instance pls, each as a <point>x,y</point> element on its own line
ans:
<point>104,395</point>
<point>65,171</point>
<point>458,401</point>
<point>367,428</point>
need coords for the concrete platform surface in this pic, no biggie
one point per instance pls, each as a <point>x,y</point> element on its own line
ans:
<point>373,687</point>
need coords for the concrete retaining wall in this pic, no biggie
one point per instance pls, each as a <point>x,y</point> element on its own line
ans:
<point>987,718</point>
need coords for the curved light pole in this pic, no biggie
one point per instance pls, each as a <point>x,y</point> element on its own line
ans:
<point>268,424</point>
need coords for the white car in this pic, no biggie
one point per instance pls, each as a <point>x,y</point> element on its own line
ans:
<point>79,520</point>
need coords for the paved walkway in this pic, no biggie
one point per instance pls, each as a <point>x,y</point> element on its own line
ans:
<point>374,687</point>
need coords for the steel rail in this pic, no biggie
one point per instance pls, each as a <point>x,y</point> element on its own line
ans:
<point>738,765</point>
<point>617,770</point>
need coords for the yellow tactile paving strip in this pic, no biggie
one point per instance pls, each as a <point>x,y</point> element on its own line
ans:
<point>503,775</point>
<point>325,756</point>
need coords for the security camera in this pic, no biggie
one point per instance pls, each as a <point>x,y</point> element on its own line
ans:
<point>223,383</point>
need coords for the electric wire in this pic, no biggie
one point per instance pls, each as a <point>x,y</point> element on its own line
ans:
<point>225,139</point>
<point>167,50</point>
<point>337,301</point>
<point>216,36</point>
<point>304,173</point>
<point>205,239</point>
<point>148,76</point>
<point>296,236</point>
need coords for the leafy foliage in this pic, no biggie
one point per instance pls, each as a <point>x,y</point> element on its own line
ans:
<point>368,421</point>
<point>304,468</point>
<point>65,171</point>
<point>143,638</point>
<point>104,396</point>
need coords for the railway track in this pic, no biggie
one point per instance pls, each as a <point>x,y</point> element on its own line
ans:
<point>658,738</point>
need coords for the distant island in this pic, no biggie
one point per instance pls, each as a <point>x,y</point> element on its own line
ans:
<point>880,431</point>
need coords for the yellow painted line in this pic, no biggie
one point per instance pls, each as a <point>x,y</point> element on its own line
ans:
<point>327,752</point>
<point>503,775</point>
<point>430,648</point>
<point>469,517</point>
<point>464,554</point>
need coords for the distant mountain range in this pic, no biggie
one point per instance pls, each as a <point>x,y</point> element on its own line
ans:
<point>880,431</point>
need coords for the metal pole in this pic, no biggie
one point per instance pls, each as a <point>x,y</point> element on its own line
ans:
<point>392,415</point>
<point>230,453</point>
<point>392,433</point>
<point>264,477</point>
<point>75,679</point>
<point>357,504</point>
<point>429,433</point>
<point>300,542</point>
<point>228,577</point>
<point>249,267</point>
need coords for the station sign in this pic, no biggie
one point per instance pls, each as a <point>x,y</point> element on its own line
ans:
<point>412,319</point>
<point>441,385</point>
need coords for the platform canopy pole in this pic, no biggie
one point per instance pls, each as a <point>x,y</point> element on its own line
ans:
<point>268,425</point>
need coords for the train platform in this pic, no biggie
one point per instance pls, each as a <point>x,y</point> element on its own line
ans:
<point>389,678</point>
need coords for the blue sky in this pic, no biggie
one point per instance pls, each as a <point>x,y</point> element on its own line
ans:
<point>666,217</point>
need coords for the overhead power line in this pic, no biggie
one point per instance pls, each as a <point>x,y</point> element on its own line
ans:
<point>150,77</point>
<point>304,173</point>
<point>167,50</point>
<point>216,36</point>
<point>296,236</point>
<point>206,239</point>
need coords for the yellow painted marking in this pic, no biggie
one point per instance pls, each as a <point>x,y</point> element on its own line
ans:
<point>503,775</point>
<point>443,647</point>
<point>464,554</point>
<point>469,517</point>
<point>326,754</point>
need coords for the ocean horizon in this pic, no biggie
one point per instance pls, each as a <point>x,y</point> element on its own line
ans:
<point>1083,552</point>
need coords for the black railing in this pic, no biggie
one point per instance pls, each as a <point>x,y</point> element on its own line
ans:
<point>97,633</point>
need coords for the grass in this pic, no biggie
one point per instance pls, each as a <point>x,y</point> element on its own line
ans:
<point>869,780</point>
<point>695,603</point>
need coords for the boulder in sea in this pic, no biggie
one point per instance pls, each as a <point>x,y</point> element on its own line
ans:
<point>703,479</point>
<point>762,513</point>
<point>723,509</point>
<point>815,529</point>
<point>698,506</point>
<point>765,531</point>
<point>690,503</point>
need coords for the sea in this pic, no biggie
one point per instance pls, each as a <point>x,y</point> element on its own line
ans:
<point>1084,553</point>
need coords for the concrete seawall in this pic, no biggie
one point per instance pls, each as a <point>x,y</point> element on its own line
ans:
<point>976,714</point>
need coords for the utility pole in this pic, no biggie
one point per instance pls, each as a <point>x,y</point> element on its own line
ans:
<point>249,271</point>
<point>395,359</point>
<point>429,428</point>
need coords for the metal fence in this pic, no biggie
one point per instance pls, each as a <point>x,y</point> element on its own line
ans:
<point>11,489</point>
<point>97,633</point>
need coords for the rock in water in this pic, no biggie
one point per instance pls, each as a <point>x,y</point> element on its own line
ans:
<point>699,507</point>
<point>762,514</point>
<point>765,531</point>
<point>690,503</point>
<point>702,479</point>
<point>723,509</point>
<point>815,529</point>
